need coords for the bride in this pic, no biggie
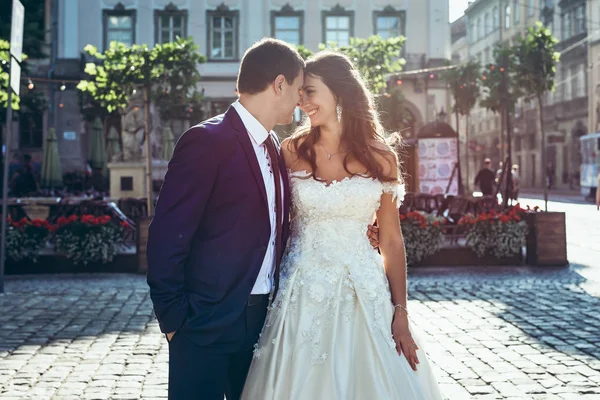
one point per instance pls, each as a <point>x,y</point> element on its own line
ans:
<point>338,328</point>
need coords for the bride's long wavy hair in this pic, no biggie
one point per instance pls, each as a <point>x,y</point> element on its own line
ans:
<point>361,128</point>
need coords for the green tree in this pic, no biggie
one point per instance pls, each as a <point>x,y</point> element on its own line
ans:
<point>304,52</point>
<point>536,70</point>
<point>374,57</point>
<point>167,74</point>
<point>492,81</point>
<point>4,80</point>
<point>464,83</point>
<point>502,91</point>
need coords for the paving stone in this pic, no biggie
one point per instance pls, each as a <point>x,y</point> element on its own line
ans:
<point>499,335</point>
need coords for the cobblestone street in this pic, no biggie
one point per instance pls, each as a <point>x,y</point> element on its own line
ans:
<point>507,333</point>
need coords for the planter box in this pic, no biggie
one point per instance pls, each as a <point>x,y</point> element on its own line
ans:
<point>546,239</point>
<point>464,256</point>
<point>142,225</point>
<point>56,263</point>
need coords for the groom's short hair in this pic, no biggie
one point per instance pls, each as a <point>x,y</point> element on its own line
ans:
<point>264,61</point>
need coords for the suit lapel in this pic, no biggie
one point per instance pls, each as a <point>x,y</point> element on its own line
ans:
<point>244,139</point>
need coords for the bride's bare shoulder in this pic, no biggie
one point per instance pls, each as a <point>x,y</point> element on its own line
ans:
<point>289,150</point>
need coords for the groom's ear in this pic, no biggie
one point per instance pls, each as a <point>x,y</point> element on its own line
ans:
<point>278,84</point>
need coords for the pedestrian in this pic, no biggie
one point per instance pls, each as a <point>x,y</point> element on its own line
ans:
<point>25,183</point>
<point>486,178</point>
<point>500,179</point>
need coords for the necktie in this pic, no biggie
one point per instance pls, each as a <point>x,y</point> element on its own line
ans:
<point>272,151</point>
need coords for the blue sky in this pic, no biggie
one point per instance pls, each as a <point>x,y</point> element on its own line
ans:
<point>457,8</point>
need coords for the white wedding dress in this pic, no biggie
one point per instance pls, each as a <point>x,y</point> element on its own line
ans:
<point>328,332</point>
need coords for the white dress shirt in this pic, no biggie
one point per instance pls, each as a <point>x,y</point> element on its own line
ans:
<point>258,134</point>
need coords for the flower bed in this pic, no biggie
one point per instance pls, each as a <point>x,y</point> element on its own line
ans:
<point>25,238</point>
<point>500,234</point>
<point>423,235</point>
<point>88,239</point>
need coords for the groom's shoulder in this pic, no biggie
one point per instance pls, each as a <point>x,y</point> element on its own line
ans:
<point>214,129</point>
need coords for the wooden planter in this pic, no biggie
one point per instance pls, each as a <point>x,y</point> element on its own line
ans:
<point>464,256</point>
<point>142,225</point>
<point>59,264</point>
<point>546,239</point>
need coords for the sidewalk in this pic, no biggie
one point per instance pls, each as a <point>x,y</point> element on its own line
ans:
<point>492,333</point>
<point>561,195</point>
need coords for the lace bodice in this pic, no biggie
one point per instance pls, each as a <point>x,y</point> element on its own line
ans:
<point>335,215</point>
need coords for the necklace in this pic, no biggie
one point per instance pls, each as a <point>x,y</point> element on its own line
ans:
<point>329,155</point>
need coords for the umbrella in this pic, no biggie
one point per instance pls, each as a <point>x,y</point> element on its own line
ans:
<point>97,147</point>
<point>167,144</point>
<point>51,170</point>
<point>114,145</point>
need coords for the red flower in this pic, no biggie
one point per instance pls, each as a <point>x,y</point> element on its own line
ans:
<point>88,219</point>
<point>72,218</point>
<point>62,221</point>
<point>124,224</point>
<point>436,223</point>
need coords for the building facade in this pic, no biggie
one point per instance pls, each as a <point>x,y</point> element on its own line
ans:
<point>223,30</point>
<point>491,22</point>
<point>566,111</point>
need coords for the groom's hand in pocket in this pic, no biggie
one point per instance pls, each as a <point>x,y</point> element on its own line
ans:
<point>373,235</point>
<point>170,335</point>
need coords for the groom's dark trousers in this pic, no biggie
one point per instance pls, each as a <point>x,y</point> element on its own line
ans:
<point>206,244</point>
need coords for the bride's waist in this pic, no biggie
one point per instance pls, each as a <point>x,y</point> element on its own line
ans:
<point>338,236</point>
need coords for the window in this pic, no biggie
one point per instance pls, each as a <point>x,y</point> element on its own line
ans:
<point>389,23</point>
<point>580,20</point>
<point>486,24</point>
<point>516,11</point>
<point>575,87</point>
<point>566,25</point>
<point>169,24</point>
<point>495,18</point>
<point>223,30</point>
<point>531,8</point>
<point>567,79</point>
<point>338,26</point>
<point>119,26</point>
<point>507,17</point>
<point>478,30</point>
<point>472,34</point>
<point>337,30</point>
<point>287,25</point>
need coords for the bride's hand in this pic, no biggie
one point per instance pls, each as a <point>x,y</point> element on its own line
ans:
<point>404,340</point>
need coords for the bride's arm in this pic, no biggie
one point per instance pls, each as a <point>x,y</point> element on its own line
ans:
<point>391,244</point>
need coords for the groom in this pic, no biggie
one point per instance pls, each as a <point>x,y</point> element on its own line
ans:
<point>220,226</point>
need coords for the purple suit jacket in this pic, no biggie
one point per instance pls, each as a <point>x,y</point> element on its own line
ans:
<point>209,235</point>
